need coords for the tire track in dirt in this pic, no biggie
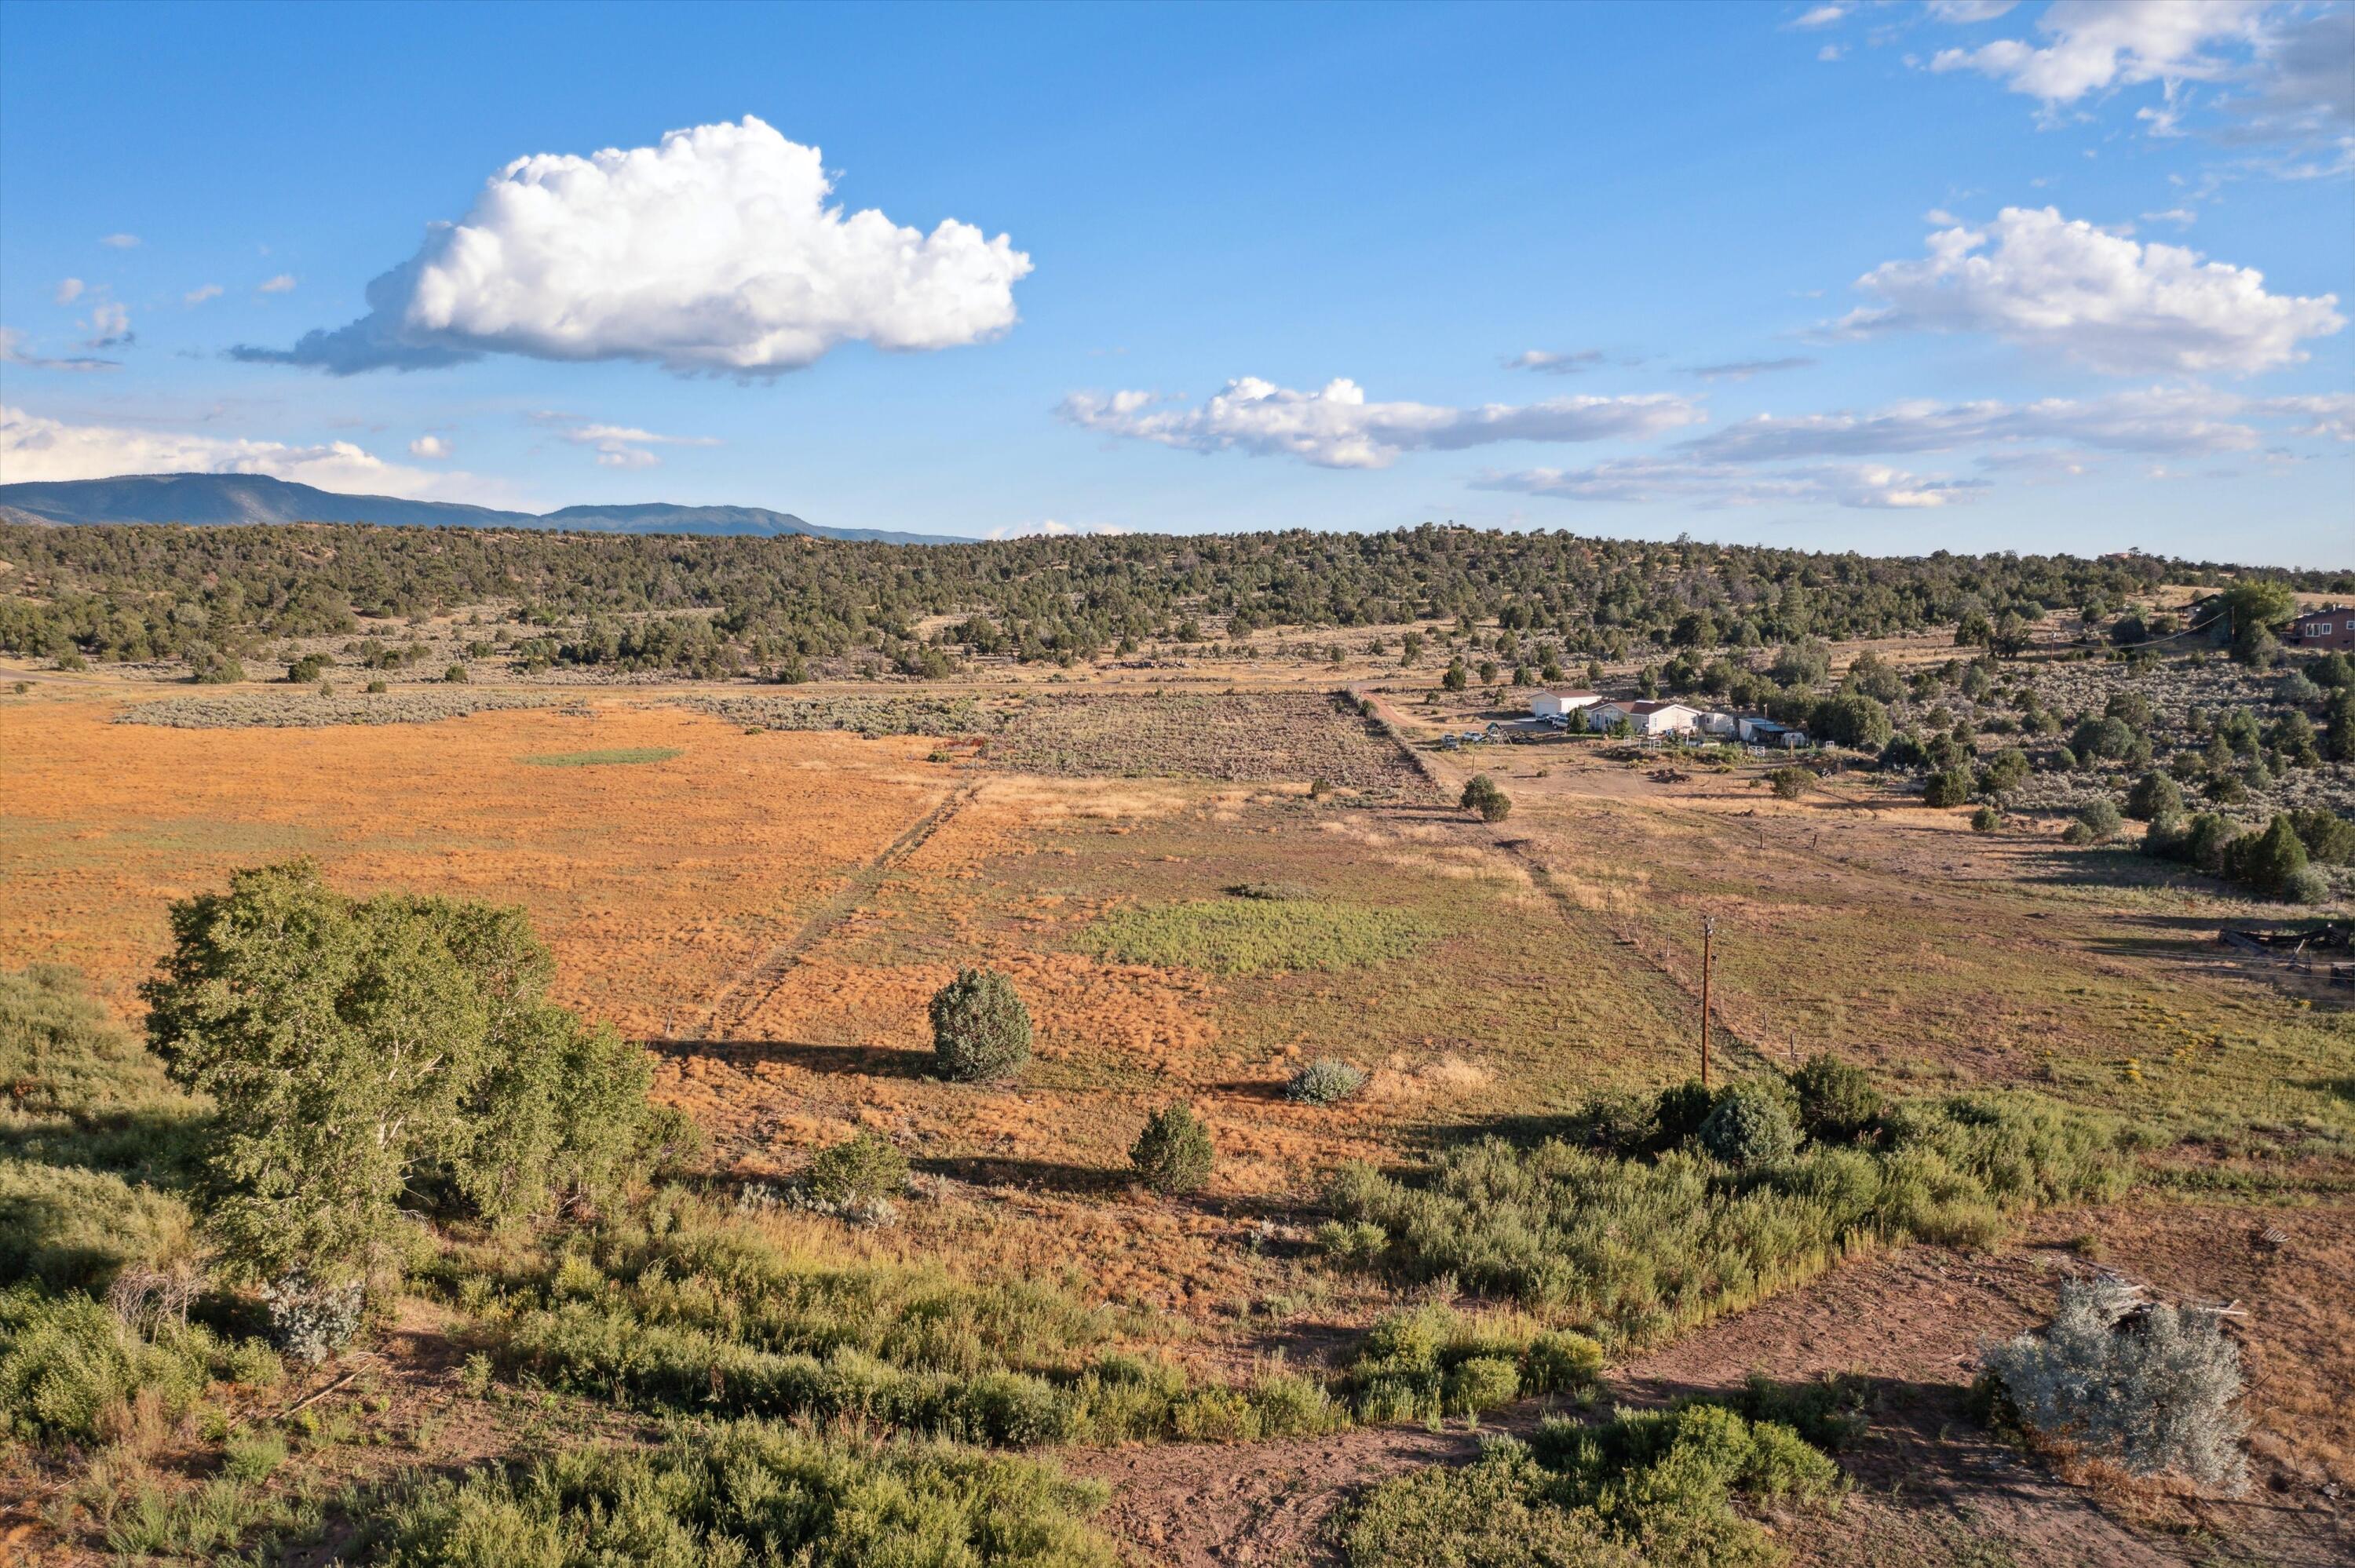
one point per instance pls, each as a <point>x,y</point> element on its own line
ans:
<point>1521,851</point>
<point>745,996</point>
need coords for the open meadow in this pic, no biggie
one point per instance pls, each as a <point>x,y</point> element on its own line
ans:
<point>1198,889</point>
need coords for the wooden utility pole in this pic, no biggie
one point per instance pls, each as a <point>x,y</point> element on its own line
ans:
<point>1708,935</point>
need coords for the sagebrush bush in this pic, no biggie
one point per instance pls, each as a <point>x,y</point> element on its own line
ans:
<point>1174,1153</point>
<point>310,1321</point>
<point>2153,1387</point>
<point>981,1030</point>
<point>1426,1362</point>
<point>1325,1082</point>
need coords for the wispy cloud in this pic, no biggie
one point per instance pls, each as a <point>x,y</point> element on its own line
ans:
<point>1744,369</point>
<point>1554,364</point>
<point>198,295</point>
<point>119,241</point>
<point>282,284</point>
<point>616,446</point>
<point>16,349</point>
<point>1335,426</point>
<point>68,290</point>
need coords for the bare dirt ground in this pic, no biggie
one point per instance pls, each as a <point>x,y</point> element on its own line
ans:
<point>1929,1483</point>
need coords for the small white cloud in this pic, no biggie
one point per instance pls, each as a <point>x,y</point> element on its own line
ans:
<point>68,291</point>
<point>716,251</point>
<point>2042,281</point>
<point>2181,216</point>
<point>282,284</point>
<point>1965,12</point>
<point>108,325</point>
<point>616,446</point>
<point>1555,364</point>
<point>1335,426</point>
<point>429,447</point>
<point>1049,528</point>
<point>1830,52</point>
<point>198,295</point>
<point>1819,16</point>
<point>16,349</point>
<point>119,241</point>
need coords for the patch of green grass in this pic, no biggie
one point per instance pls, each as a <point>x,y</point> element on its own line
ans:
<point>1245,936</point>
<point>613,757</point>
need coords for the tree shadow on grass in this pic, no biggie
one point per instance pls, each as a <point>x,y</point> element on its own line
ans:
<point>1029,1175</point>
<point>860,1060</point>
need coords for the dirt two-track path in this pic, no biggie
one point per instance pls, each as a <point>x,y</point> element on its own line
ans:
<point>749,991</point>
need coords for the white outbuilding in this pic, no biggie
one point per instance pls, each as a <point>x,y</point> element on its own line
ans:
<point>1557,701</point>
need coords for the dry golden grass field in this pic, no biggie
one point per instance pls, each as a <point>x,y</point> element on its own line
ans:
<point>769,911</point>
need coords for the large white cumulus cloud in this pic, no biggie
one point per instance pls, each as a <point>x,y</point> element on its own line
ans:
<point>715,252</point>
<point>1335,427</point>
<point>2113,304</point>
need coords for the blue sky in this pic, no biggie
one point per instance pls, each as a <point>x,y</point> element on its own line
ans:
<point>1942,248</point>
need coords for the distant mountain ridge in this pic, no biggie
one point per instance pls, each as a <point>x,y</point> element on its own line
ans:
<point>230,498</point>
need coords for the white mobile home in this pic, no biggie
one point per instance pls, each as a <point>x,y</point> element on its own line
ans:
<point>1643,717</point>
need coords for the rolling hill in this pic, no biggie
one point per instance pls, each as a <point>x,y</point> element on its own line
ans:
<point>218,498</point>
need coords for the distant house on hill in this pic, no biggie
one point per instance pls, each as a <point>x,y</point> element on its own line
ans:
<point>1644,718</point>
<point>2330,629</point>
<point>1557,701</point>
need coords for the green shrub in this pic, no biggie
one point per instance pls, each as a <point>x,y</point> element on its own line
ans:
<point>2154,795</point>
<point>1642,1488</point>
<point>2268,862</point>
<point>981,1030</point>
<point>1640,1249</point>
<point>66,1362</point>
<point>2328,838</point>
<point>1749,1125</point>
<point>1324,1082</point>
<point>1174,1153</point>
<point>457,675</point>
<point>1790,783</point>
<point>743,1492</point>
<point>861,1169</point>
<point>1985,819</point>
<point>1951,787</point>
<point>1836,1101</point>
<point>1426,1362</point>
<point>1482,796</point>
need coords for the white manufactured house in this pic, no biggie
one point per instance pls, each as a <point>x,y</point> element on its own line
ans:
<point>1561,702</point>
<point>1717,721</point>
<point>1643,717</point>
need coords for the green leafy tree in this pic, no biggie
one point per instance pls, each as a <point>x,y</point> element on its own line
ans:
<point>1854,719</point>
<point>981,1030</point>
<point>364,1055</point>
<point>2153,795</point>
